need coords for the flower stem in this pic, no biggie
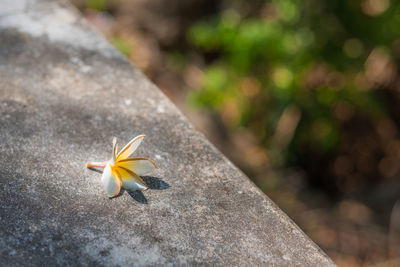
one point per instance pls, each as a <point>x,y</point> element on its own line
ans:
<point>101,165</point>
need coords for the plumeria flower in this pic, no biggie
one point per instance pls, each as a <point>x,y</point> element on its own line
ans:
<point>122,171</point>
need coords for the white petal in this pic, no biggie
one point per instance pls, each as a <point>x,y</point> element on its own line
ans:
<point>111,183</point>
<point>140,166</point>
<point>131,180</point>
<point>130,147</point>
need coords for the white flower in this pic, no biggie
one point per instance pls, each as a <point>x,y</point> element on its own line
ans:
<point>122,171</point>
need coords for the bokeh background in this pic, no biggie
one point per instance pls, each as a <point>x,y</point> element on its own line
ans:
<point>304,96</point>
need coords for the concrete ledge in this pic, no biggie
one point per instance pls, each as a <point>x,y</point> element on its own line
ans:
<point>64,93</point>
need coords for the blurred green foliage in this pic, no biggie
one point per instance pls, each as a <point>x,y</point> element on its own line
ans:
<point>99,5</point>
<point>295,72</point>
<point>123,45</point>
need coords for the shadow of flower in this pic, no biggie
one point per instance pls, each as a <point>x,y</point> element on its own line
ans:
<point>155,183</point>
<point>138,196</point>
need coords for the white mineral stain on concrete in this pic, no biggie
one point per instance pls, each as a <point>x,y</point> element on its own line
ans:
<point>112,252</point>
<point>128,101</point>
<point>82,66</point>
<point>11,6</point>
<point>160,109</point>
<point>57,26</point>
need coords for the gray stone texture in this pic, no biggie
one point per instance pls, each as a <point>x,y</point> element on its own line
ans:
<point>64,93</point>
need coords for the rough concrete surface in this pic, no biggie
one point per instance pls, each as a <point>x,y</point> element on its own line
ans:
<point>64,93</point>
